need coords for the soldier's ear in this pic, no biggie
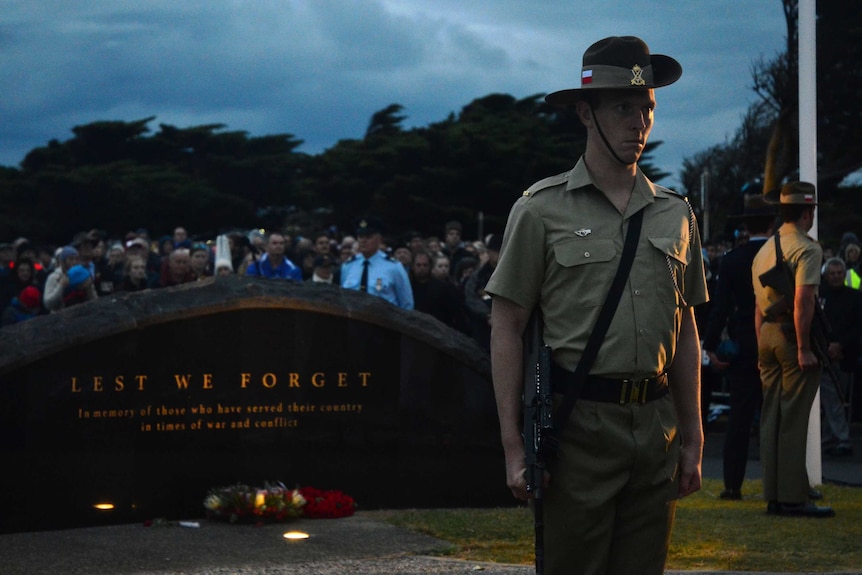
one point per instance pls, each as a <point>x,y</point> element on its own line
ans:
<point>584,112</point>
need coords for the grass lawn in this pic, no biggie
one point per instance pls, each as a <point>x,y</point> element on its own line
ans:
<point>709,534</point>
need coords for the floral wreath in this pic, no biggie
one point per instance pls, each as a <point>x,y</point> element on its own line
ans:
<point>275,502</point>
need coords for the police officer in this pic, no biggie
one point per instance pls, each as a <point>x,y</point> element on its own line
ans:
<point>789,370</point>
<point>623,459</point>
<point>373,271</point>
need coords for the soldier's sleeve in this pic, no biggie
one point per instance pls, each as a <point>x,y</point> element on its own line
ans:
<point>808,266</point>
<point>521,268</point>
<point>695,290</point>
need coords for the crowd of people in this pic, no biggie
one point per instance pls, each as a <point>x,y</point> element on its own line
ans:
<point>444,277</point>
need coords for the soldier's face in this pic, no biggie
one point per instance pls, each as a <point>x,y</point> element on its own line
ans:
<point>625,117</point>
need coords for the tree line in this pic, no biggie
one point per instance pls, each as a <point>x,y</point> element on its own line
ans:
<point>117,176</point>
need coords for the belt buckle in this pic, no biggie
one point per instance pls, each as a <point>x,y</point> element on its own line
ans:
<point>634,390</point>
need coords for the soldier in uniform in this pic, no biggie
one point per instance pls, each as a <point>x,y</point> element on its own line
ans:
<point>623,460</point>
<point>373,271</point>
<point>789,370</point>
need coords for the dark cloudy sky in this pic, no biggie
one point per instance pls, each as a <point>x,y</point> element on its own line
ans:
<point>318,69</point>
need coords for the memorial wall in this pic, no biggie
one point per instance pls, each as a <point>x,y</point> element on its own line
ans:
<point>146,401</point>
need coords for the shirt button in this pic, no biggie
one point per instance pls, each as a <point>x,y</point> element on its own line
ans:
<point>641,331</point>
<point>586,254</point>
<point>637,292</point>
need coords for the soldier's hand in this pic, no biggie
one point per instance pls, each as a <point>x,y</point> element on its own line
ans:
<point>690,470</point>
<point>516,479</point>
<point>807,360</point>
<point>518,483</point>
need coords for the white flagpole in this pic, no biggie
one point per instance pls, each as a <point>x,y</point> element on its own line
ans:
<point>808,173</point>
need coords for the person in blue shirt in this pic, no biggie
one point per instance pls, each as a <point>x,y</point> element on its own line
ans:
<point>373,271</point>
<point>274,264</point>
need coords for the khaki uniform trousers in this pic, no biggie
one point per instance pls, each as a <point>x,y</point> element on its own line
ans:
<point>788,394</point>
<point>611,499</point>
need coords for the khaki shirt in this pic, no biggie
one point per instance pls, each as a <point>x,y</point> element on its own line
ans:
<point>803,255</point>
<point>561,250</point>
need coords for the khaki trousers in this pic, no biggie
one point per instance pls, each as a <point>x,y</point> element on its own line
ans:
<point>610,503</point>
<point>788,394</point>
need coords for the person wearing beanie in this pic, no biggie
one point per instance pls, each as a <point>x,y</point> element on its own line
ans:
<point>67,257</point>
<point>26,306</point>
<point>79,288</point>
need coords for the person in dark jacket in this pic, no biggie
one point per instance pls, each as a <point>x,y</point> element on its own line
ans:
<point>733,309</point>
<point>431,295</point>
<point>842,306</point>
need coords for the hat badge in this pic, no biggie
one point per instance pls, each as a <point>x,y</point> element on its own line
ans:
<point>637,76</point>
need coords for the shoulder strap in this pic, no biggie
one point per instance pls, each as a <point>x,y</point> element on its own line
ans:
<point>779,255</point>
<point>602,323</point>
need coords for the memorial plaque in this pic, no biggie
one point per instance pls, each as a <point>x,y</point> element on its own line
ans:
<point>147,400</point>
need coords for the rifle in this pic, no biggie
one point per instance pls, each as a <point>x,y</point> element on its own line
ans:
<point>780,278</point>
<point>538,406</point>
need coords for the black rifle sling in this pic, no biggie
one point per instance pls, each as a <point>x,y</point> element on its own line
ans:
<point>779,255</point>
<point>576,382</point>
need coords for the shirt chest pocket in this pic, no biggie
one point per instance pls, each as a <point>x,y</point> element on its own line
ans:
<point>579,252</point>
<point>585,267</point>
<point>671,255</point>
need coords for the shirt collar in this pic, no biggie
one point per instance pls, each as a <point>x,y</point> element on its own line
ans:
<point>643,193</point>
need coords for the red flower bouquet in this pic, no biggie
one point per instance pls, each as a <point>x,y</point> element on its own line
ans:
<point>321,504</point>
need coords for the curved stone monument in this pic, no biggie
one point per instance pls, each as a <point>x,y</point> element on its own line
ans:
<point>147,400</point>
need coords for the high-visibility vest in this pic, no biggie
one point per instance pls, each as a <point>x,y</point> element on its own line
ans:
<point>852,279</point>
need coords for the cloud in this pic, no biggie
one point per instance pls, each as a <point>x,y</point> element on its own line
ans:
<point>319,69</point>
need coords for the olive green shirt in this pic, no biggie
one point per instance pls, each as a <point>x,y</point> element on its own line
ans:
<point>561,250</point>
<point>803,255</point>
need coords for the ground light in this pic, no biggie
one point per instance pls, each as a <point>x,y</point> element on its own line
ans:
<point>295,535</point>
<point>104,506</point>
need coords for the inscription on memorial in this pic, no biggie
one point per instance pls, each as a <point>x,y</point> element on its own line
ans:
<point>208,415</point>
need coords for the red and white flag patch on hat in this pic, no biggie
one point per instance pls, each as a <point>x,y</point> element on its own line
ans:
<point>586,77</point>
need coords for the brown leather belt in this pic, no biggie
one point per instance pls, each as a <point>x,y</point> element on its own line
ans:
<point>609,390</point>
